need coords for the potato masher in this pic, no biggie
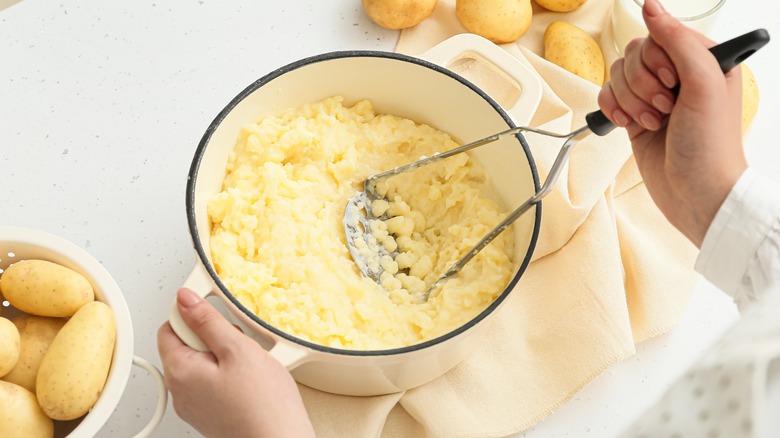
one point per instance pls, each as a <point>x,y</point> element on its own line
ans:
<point>367,252</point>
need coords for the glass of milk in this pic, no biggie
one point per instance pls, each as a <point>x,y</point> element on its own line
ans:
<point>627,22</point>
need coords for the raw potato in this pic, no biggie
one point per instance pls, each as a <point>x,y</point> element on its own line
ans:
<point>44,288</point>
<point>35,335</point>
<point>500,21</point>
<point>74,370</point>
<point>398,14</point>
<point>571,48</point>
<point>9,346</point>
<point>750,97</point>
<point>560,5</point>
<point>20,415</point>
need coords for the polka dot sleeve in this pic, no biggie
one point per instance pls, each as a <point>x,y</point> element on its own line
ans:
<point>724,394</point>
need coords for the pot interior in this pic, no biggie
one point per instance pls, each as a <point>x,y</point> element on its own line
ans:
<point>395,84</point>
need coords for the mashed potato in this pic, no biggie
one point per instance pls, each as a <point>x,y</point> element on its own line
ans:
<point>277,240</point>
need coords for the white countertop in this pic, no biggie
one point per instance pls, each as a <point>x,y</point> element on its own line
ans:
<point>102,103</point>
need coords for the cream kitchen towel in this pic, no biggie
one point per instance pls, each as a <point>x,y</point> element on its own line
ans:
<point>608,272</point>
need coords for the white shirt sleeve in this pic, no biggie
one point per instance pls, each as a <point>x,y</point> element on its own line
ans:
<point>731,390</point>
<point>740,253</point>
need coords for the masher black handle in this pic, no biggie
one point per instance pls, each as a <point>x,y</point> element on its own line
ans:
<point>729,55</point>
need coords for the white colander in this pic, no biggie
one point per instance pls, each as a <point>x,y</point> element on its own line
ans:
<point>18,244</point>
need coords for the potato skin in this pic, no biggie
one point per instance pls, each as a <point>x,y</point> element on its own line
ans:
<point>571,48</point>
<point>43,288</point>
<point>750,97</point>
<point>9,346</point>
<point>398,14</point>
<point>500,21</point>
<point>35,335</point>
<point>74,369</point>
<point>560,5</point>
<point>20,415</point>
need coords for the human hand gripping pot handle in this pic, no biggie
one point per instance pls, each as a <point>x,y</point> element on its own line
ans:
<point>682,114</point>
<point>236,388</point>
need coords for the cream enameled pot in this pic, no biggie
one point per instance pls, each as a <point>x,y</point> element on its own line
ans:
<point>421,89</point>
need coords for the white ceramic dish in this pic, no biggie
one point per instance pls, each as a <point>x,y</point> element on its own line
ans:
<point>18,244</point>
<point>420,89</point>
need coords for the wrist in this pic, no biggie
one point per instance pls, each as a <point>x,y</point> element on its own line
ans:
<point>704,201</point>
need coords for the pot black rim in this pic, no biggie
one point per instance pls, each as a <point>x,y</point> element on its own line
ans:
<point>204,260</point>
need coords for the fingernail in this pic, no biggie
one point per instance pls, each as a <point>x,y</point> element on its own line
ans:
<point>650,121</point>
<point>621,119</point>
<point>667,77</point>
<point>663,103</point>
<point>653,8</point>
<point>187,298</point>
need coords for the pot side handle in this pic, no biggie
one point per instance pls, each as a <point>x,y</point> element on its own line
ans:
<point>289,356</point>
<point>199,282</point>
<point>162,396</point>
<point>468,45</point>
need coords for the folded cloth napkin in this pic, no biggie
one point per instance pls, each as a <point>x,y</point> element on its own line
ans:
<point>608,271</point>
